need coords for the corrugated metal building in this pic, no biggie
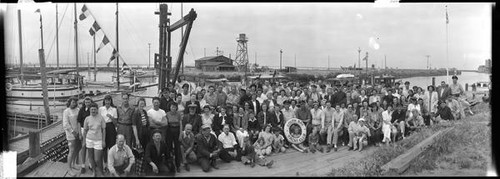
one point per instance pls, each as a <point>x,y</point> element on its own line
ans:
<point>215,63</point>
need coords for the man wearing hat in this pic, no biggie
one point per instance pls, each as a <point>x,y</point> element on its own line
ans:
<point>192,118</point>
<point>207,149</point>
<point>456,88</point>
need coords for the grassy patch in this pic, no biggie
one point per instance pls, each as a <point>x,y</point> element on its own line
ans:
<point>467,146</point>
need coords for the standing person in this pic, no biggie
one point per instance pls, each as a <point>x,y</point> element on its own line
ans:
<point>337,123</point>
<point>157,117</point>
<point>110,115</point>
<point>173,132</point>
<point>165,99</point>
<point>193,101</point>
<point>233,98</point>
<point>72,130</point>
<point>386,124</point>
<point>141,124</point>
<point>220,120</point>
<point>157,155</point>
<point>120,158</point>
<point>185,94</point>
<point>94,132</point>
<point>229,145</point>
<point>327,124</point>
<point>254,104</point>
<point>443,91</point>
<point>243,97</point>
<point>180,105</point>
<point>192,118</point>
<point>207,150</point>
<point>82,114</point>
<point>186,138</point>
<point>221,97</point>
<point>125,118</point>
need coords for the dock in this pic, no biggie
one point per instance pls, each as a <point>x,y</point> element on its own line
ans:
<point>291,163</point>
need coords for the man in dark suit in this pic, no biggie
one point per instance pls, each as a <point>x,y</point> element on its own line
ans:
<point>243,97</point>
<point>276,118</point>
<point>220,120</point>
<point>192,118</point>
<point>443,91</point>
<point>329,95</point>
<point>157,157</point>
<point>254,104</point>
<point>264,117</point>
<point>207,150</point>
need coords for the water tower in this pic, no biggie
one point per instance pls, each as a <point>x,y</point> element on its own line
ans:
<point>241,60</point>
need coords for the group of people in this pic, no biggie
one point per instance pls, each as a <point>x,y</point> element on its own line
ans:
<point>201,124</point>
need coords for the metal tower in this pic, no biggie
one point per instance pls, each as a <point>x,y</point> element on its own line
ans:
<point>241,60</point>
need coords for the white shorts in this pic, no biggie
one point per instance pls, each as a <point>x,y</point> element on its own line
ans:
<point>93,144</point>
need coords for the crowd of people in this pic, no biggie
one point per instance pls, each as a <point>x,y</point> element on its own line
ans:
<point>201,124</point>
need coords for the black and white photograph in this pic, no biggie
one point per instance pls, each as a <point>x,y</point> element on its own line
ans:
<point>253,89</point>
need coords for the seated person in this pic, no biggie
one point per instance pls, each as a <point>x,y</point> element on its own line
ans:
<point>157,155</point>
<point>120,158</point>
<point>278,141</point>
<point>353,127</point>
<point>444,112</point>
<point>229,145</point>
<point>268,139</point>
<point>186,138</point>
<point>257,156</point>
<point>415,122</point>
<point>207,150</point>
<point>398,121</point>
<point>253,127</point>
<point>248,153</point>
<point>314,140</point>
<point>361,135</point>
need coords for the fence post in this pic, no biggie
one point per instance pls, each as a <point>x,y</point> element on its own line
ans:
<point>34,144</point>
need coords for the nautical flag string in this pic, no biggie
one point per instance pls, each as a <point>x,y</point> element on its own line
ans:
<point>104,42</point>
<point>95,27</point>
<point>125,66</point>
<point>113,56</point>
<point>85,13</point>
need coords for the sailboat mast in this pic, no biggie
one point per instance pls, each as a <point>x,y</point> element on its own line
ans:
<point>95,68</point>
<point>57,35</point>
<point>20,46</point>
<point>117,51</point>
<point>76,44</point>
<point>182,34</point>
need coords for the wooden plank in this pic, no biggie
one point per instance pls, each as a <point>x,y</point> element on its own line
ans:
<point>40,170</point>
<point>60,169</point>
<point>402,162</point>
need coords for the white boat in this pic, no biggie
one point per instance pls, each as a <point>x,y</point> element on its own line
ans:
<point>62,84</point>
<point>482,86</point>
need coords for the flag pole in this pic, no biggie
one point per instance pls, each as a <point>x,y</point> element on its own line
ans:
<point>447,61</point>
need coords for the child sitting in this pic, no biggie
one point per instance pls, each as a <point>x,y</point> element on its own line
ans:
<point>361,135</point>
<point>314,141</point>
<point>278,142</point>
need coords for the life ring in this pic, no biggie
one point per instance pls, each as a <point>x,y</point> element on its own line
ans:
<point>292,134</point>
<point>8,87</point>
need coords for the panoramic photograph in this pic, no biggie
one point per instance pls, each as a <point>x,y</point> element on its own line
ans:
<point>248,89</point>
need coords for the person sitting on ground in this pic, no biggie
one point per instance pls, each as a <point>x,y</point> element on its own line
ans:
<point>314,141</point>
<point>207,150</point>
<point>268,139</point>
<point>361,135</point>
<point>120,158</point>
<point>455,108</point>
<point>260,159</point>
<point>229,145</point>
<point>443,112</point>
<point>248,153</point>
<point>415,122</point>
<point>186,139</point>
<point>157,155</point>
<point>278,141</point>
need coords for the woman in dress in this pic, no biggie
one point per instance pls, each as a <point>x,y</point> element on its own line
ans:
<point>110,115</point>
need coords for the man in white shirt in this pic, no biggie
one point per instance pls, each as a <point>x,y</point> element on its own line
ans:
<point>228,152</point>
<point>261,97</point>
<point>120,158</point>
<point>157,117</point>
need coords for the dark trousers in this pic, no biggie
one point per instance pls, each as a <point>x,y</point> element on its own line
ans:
<point>110,135</point>
<point>376,136</point>
<point>226,157</point>
<point>172,139</point>
<point>205,163</point>
<point>427,119</point>
<point>345,136</point>
<point>163,170</point>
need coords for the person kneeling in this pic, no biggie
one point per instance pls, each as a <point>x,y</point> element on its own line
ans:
<point>120,158</point>
<point>314,141</point>
<point>187,146</point>
<point>207,150</point>
<point>278,141</point>
<point>156,156</point>
<point>229,144</point>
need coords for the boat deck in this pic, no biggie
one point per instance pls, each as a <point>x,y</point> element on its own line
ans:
<point>291,163</point>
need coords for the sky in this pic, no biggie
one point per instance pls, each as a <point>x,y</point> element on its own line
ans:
<point>310,34</point>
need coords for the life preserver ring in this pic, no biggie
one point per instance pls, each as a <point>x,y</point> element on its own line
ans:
<point>8,87</point>
<point>291,133</point>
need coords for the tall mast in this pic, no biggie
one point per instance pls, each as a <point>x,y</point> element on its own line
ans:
<point>76,44</point>
<point>447,70</point>
<point>182,35</point>
<point>95,68</point>
<point>117,51</point>
<point>20,46</point>
<point>57,35</point>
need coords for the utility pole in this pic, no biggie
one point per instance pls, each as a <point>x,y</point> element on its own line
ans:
<point>204,52</point>
<point>20,46</point>
<point>41,55</point>
<point>295,57</point>
<point>428,64</point>
<point>359,57</point>
<point>385,61</point>
<point>328,62</point>
<point>149,53</point>
<point>281,58</point>
<point>366,63</point>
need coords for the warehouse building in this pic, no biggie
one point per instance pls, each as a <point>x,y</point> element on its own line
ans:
<point>215,63</point>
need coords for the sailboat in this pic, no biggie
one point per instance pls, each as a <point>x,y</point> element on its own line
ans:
<point>23,90</point>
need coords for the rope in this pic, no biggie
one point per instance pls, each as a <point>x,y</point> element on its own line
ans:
<point>59,27</point>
